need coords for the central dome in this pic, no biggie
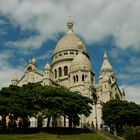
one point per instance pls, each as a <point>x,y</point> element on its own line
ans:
<point>69,41</point>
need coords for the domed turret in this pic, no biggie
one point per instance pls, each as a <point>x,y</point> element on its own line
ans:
<point>47,67</point>
<point>14,79</point>
<point>47,75</point>
<point>80,62</point>
<point>81,72</point>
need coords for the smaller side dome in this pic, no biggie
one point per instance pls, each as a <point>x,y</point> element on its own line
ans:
<point>47,66</point>
<point>81,62</point>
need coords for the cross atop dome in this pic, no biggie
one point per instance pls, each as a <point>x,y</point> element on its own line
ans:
<point>70,25</point>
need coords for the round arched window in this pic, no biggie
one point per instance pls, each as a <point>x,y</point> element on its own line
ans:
<point>55,73</point>
<point>65,70</point>
<point>60,72</point>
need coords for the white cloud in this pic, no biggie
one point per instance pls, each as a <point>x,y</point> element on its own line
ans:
<point>94,19</point>
<point>128,77</point>
<point>132,93</point>
<point>133,70</point>
<point>45,56</point>
<point>6,70</point>
<point>6,76</point>
<point>135,60</point>
<point>33,42</point>
<point>128,64</point>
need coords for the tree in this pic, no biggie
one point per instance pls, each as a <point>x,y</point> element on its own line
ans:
<point>52,102</point>
<point>18,102</point>
<point>58,101</point>
<point>117,113</point>
<point>76,105</point>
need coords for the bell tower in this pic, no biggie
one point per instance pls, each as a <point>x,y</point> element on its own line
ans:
<point>106,79</point>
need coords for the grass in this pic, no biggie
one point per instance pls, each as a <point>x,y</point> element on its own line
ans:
<point>46,136</point>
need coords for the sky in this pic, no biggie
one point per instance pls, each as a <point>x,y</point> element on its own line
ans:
<point>32,28</point>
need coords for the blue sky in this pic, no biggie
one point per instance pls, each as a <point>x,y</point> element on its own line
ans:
<point>32,28</point>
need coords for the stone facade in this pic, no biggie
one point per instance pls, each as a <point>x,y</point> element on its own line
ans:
<point>71,68</point>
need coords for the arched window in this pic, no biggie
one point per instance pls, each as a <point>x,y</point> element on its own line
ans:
<point>55,73</point>
<point>74,79</point>
<point>77,78</point>
<point>65,70</point>
<point>83,77</point>
<point>60,72</point>
<point>29,69</point>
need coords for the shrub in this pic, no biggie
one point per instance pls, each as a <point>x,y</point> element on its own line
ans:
<point>131,133</point>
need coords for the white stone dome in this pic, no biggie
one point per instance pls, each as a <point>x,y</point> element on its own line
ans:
<point>81,61</point>
<point>47,66</point>
<point>68,42</point>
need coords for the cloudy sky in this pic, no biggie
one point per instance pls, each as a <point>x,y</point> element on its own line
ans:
<point>31,28</point>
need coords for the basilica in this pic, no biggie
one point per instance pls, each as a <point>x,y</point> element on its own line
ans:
<point>71,68</point>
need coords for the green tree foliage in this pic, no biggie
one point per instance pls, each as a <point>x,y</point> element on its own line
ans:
<point>52,102</point>
<point>57,102</point>
<point>19,101</point>
<point>118,113</point>
<point>131,133</point>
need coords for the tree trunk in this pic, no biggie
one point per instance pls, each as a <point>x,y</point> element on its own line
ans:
<point>64,121</point>
<point>40,121</point>
<point>70,121</point>
<point>48,123</point>
<point>55,121</point>
<point>4,122</point>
